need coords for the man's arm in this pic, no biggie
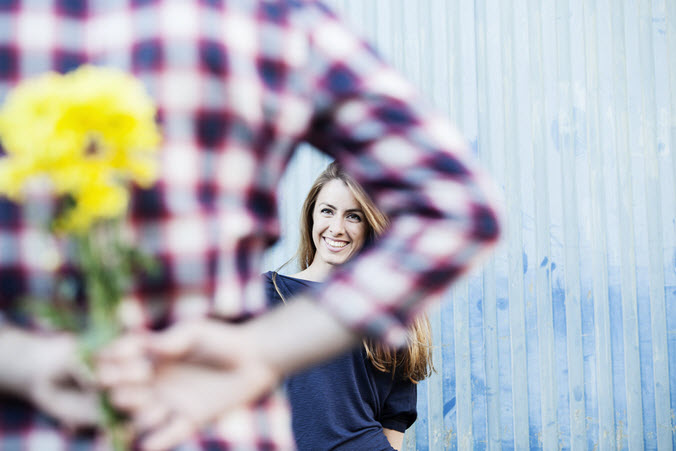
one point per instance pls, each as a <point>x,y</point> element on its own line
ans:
<point>45,371</point>
<point>205,368</point>
<point>15,373</point>
<point>416,167</point>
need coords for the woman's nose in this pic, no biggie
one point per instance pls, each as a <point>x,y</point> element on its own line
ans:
<point>337,227</point>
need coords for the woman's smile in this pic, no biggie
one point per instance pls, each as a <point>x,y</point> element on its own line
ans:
<point>335,245</point>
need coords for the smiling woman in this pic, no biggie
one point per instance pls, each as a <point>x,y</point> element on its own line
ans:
<point>337,219</point>
<point>339,228</point>
<point>365,399</point>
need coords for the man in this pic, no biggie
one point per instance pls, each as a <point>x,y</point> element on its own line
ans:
<point>238,84</point>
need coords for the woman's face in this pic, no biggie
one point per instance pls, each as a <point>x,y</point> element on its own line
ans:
<point>339,226</point>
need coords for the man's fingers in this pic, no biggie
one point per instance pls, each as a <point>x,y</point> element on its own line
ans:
<point>151,418</point>
<point>174,342</point>
<point>81,374</point>
<point>132,398</point>
<point>74,409</point>
<point>178,429</point>
<point>137,371</point>
<point>124,362</point>
<point>125,347</point>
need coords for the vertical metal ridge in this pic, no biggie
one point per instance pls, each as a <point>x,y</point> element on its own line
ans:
<point>626,218</point>
<point>489,281</point>
<point>463,377</point>
<point>410,49</point>
<point>448,374</point>
<point>670,19</point>
<point>397,38</point>
<point>567,145</point>
<point>463,391</point>
<point>492,359</point>
<point>515,275</point>
<point>433,80</point>
<point>435,390</point>
<point>670,22</point>
<point>598,143</point>
<point>660,360</point>
<point>382,29</point>
<point>454,60</point>
<point>541,195</point>
<point>545,326</point>
<point>453,105</point>
<point>485,149</point>
<point>486,419</point>
<point>564,143</point>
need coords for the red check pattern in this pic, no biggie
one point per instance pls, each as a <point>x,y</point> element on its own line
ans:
<point>239,83</point>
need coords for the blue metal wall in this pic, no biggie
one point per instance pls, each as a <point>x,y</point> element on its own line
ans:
<point>567,337</point>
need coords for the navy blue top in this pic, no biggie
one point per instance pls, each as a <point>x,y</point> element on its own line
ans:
<point>344,403</point>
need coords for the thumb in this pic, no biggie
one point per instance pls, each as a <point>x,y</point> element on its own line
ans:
<point>206,342</point>
<point>173,343</point>
<point>76,409</point>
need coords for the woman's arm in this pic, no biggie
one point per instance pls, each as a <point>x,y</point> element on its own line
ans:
<point>395,438</point>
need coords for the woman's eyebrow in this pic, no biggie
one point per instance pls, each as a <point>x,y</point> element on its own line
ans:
<point>349,210</point>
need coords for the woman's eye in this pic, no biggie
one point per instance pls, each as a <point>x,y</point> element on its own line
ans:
<point>326,211</point>
<point>354,217</point>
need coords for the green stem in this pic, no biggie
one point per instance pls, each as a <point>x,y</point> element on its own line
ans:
<point>103,293</point>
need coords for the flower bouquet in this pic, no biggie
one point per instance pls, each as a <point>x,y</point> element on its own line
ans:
<point>85,137</point>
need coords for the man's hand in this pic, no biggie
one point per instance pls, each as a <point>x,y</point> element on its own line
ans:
<point>174,383</point>
<point>200,370</point>
<point>46,371</point>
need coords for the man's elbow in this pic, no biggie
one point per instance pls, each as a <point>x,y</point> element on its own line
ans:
<point>486,226</point>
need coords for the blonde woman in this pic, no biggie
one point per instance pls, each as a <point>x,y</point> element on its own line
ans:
<point>365,399</point>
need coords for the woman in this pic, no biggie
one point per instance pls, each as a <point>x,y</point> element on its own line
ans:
<point>365,399</point>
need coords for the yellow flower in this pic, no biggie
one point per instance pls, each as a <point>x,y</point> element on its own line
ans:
<point>91,132</point>
<point>14,172</point>
<point>99,201</point>
<point>29,115</point>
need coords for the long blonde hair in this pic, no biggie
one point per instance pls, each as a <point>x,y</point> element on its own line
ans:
<point>415,360</point>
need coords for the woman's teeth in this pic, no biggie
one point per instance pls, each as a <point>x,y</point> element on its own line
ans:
<point>336,243</point>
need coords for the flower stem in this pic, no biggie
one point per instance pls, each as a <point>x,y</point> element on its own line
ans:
<point>104,289</point>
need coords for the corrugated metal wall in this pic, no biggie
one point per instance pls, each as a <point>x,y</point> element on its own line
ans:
<point>567,337</point>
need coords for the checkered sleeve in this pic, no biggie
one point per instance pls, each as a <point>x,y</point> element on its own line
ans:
<point>416,167</point>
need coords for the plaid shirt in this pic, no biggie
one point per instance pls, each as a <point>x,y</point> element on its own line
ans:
<point>238,84</point>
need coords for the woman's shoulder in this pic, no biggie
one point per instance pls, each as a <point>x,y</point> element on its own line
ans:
<point>286,285</point>
<point>274,275</point>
